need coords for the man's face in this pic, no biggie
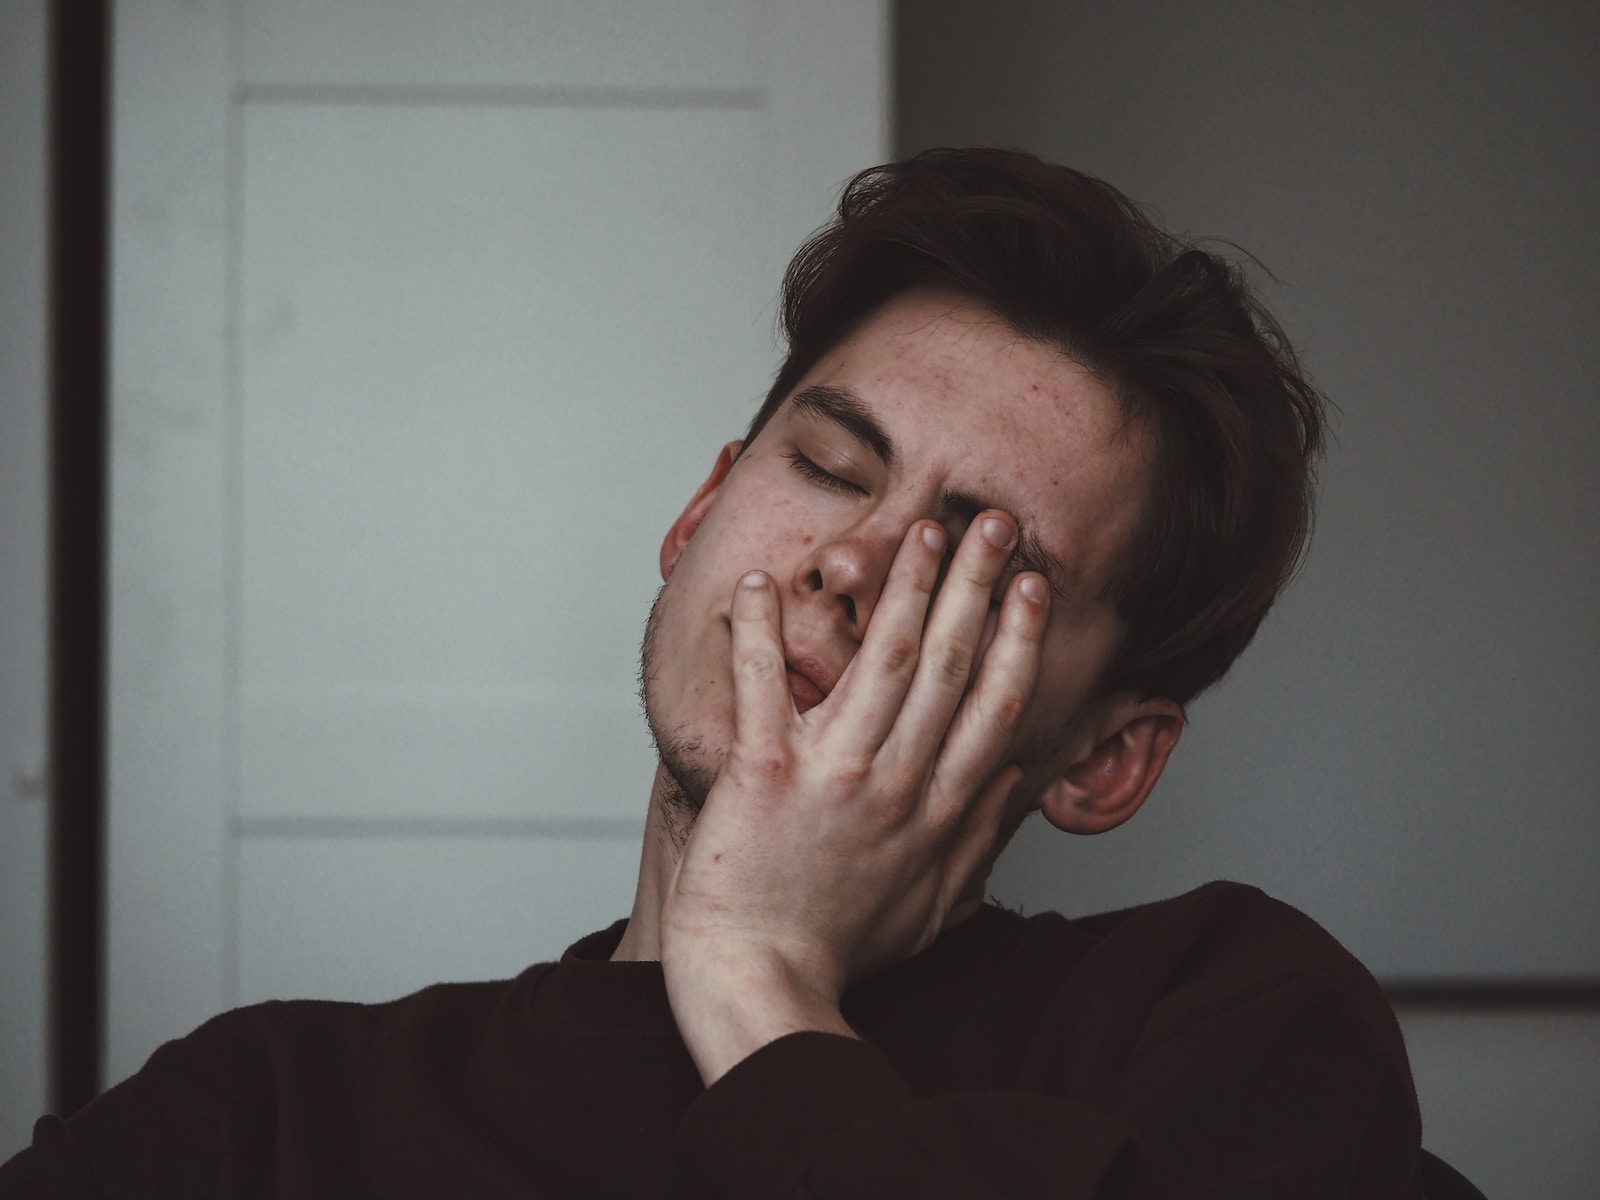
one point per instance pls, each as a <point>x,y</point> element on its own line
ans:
<point>936,409</point>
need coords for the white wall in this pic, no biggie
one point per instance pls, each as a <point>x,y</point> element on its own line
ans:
<point>1408,752</point>
<point>22,569</point>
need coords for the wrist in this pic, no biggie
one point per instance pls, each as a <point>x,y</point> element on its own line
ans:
<point>730,1000</point>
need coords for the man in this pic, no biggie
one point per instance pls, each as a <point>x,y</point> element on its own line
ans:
<point>1028,480</point>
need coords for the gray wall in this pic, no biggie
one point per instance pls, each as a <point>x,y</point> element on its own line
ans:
<point>1408,751</point>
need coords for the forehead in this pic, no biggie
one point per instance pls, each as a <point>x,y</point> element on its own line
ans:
<point>969,405</point>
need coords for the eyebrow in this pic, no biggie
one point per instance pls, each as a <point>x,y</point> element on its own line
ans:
<point>842,407</point>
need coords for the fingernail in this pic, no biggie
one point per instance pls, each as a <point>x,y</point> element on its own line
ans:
<point>995,531</point>
<point>933,538</point>
<point>1034,589</point>
<point>755,579</point>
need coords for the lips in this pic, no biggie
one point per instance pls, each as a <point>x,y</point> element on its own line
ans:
<point>806,694</point>
<point>810,681</point>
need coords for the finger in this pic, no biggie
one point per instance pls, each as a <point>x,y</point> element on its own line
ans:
<point>985,728</point>
<point>874,685</point>
<point>762,705</point>
<point>954,633</point>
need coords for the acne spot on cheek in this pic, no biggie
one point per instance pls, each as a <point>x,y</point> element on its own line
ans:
<point>806,539</point>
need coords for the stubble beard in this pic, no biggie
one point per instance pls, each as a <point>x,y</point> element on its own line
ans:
<point>683,781</point>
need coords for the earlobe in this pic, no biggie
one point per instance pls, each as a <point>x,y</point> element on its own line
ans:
<point>689,519</point>
<point>1106,784</point>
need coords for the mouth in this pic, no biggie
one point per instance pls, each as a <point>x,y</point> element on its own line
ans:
<point>807,695</point>
<point>809,682</point>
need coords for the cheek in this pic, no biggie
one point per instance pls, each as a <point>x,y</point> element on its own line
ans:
<point>1075,657</point>
<point>756,521</point>
<point>1063,684</point>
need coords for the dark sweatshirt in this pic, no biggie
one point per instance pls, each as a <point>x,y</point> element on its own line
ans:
<point>1219,1044</point>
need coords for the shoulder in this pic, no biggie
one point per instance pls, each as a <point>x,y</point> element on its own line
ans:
<point>1219,940</point>
<point>1225,1009</point>
<point>1229,957</point>
<point>1217,926</point>
<point>219,1103</point>
<point>326,1035</point>
<point>244,1059</point>
<point>1222,929</point>
<point>1219,902</point>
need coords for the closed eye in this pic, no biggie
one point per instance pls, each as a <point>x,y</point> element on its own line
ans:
<point>821,477</point>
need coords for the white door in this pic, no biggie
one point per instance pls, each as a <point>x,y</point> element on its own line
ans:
<point>426,320</point>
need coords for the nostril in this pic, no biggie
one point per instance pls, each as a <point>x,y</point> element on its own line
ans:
<point>849,608</point>
<point>814,581</point>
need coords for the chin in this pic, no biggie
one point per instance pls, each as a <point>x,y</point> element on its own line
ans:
<point>690,760</point>
<point>691,751</point>
<point>688,766</point>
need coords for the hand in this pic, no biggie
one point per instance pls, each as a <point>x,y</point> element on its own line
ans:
<point>841,840</point>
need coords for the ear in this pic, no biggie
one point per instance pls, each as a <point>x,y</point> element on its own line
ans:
<point>700,504</point>
<point>1122,752</point>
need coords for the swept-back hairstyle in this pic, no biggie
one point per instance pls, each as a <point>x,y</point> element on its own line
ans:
<point>1206,378</point>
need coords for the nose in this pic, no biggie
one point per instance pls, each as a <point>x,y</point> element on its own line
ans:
<point>847,571</point>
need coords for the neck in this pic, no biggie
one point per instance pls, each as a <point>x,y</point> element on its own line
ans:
<point>658,860</point>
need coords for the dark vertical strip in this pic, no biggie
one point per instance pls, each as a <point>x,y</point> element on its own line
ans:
<point>78,139</point>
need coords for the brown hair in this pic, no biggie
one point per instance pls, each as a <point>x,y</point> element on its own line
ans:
<point>1200,367</point>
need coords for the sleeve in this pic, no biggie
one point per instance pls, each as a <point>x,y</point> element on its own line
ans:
<point>819,1115</point>
<point>1282,1090</point>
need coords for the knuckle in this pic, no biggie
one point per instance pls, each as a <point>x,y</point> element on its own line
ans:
<point>905,787</point>
<point>999,708</point>
<point>982,570</point>
<point>850,773</point>
<point>951,663</point>
<point>1006,711</point>
<point>1026,627</point>
<point>899,653</point>
<point>764,766</point>
<point>759,668</point>
<point>895,813</point>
